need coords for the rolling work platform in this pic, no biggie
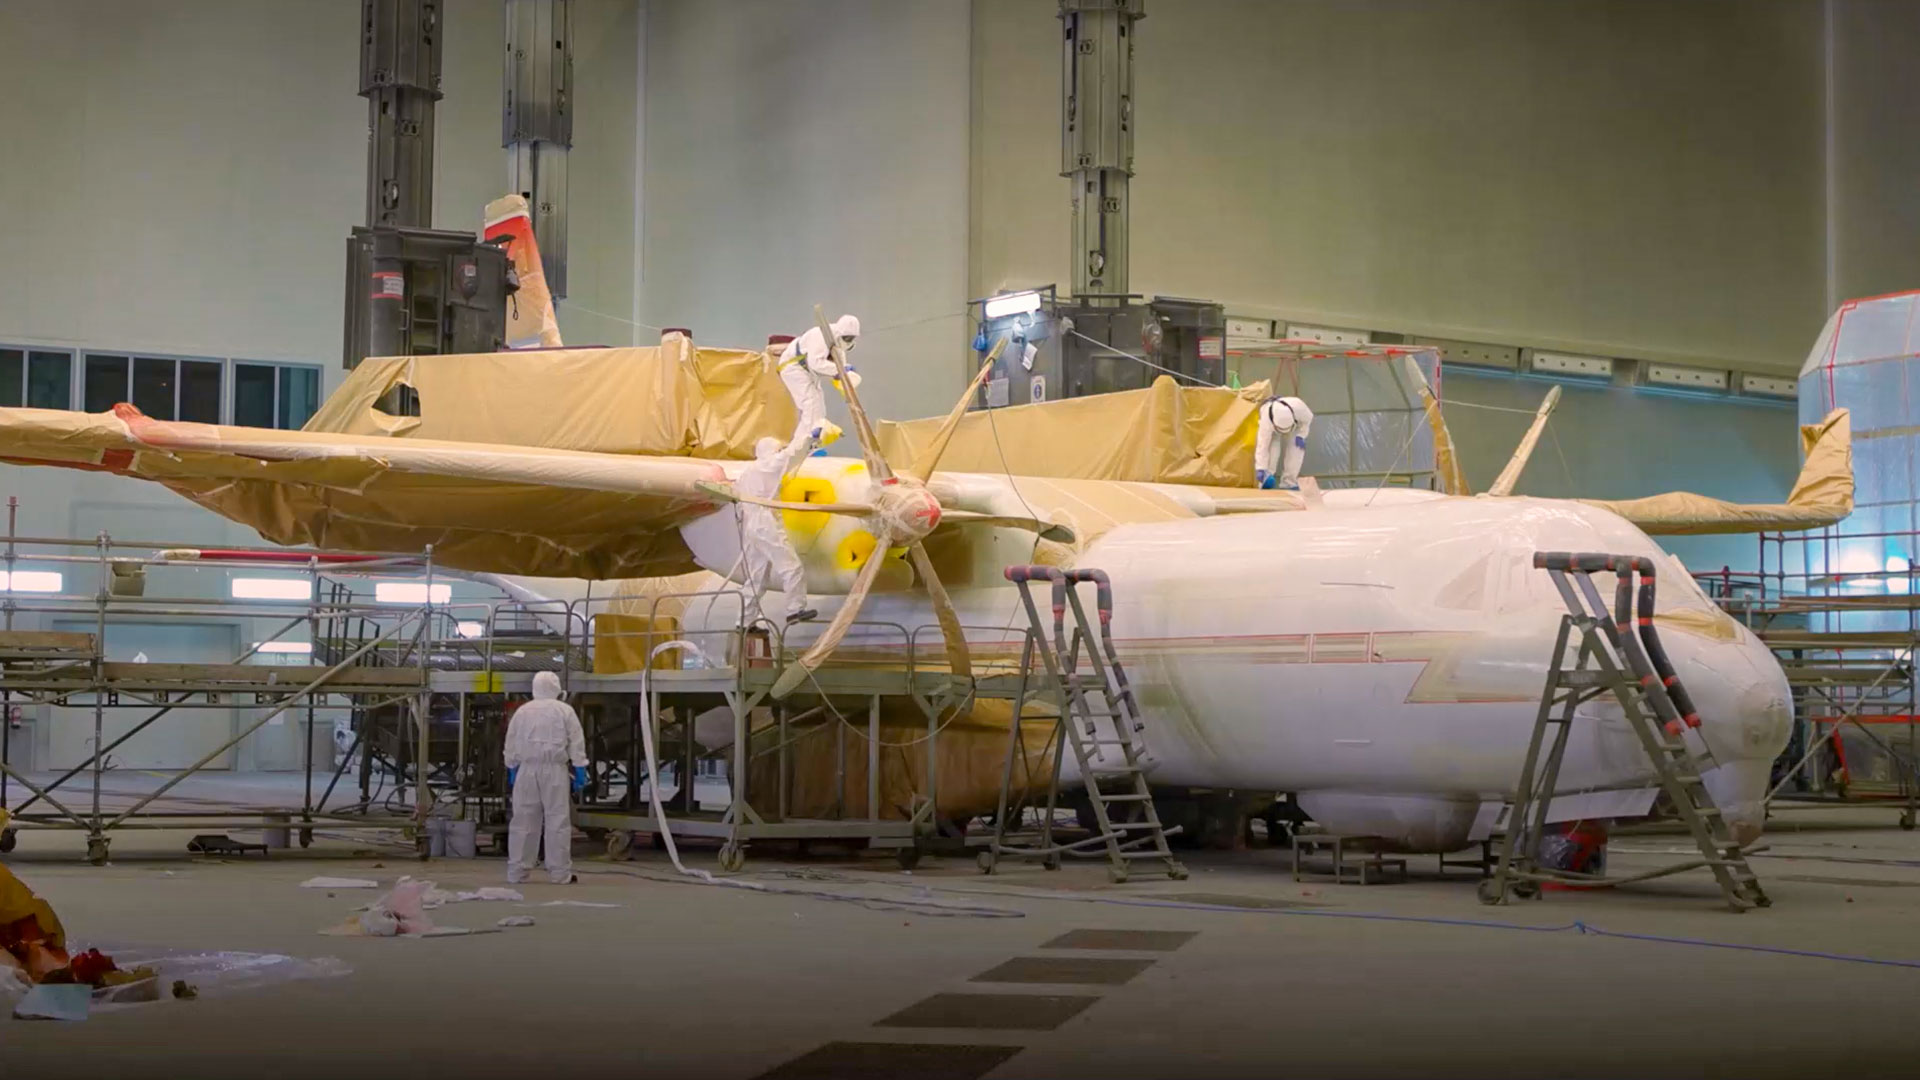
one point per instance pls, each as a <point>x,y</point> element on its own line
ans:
<point>1847,642</point>
<point>1096,715</point>
<point>1616,653</point>
<point>74,678</point>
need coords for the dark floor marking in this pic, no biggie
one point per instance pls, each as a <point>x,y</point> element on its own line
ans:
<point>1128,940</point>
<point>885,1061</point>
<point>1251,903</point>
<point>1007,1012</point>
<point>1082,970</point>
<point>1866,881</point>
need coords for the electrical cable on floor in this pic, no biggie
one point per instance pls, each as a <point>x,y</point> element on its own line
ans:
<point>705,878</point>
<point>1577,926</point>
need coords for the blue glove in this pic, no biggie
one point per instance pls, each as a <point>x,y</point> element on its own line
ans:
<point>512,775</point>
<point>1260,478</point>
<point>579,778</point>
<point>1300,441</point>
<point>980,342</point>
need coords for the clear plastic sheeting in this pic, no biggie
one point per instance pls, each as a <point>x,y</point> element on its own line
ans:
<point>213,972</point>
<point>1866,360</point>
<point>1369,426</point>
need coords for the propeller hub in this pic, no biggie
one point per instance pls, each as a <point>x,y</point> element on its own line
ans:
<point>905,509</point>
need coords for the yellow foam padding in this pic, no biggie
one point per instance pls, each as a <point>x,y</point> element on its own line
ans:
<point>854,550</point>
<point>805,524</point>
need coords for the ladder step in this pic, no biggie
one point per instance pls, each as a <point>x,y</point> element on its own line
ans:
<point>1124,798</point>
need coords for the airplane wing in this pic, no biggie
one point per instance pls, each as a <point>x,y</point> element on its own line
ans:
<point>483,507</point>
<point>1822,495</point>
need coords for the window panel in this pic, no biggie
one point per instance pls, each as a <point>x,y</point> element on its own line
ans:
<point>200,391</point>
<point>49,380</point>
<point>299,395</point>
<point>153,386</point>
<point>13,376</point>
<point>106,384</point>
<point>253,395</point>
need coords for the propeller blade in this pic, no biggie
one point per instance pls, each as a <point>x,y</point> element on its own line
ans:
<point>1446,459</point>
<point>727,494</point>
<point>929,459</point>
<point>1048,530</point>
<point>1510,475</point>
<point>804,665</point>
<point>958,662</point>
<point>862,428</point>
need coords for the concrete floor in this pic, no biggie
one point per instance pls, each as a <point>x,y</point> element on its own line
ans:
<point>686,980</point>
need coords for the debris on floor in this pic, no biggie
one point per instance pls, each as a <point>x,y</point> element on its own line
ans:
<point>55,1001</point>
<point>577,903</point>
<point>516,920</point>
<point>338,883</point>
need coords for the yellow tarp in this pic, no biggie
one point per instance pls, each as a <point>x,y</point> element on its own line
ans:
<point>19,902</point>
<point>1167,433</point>
<point>550,513</point>
<point>1822,495</point>
<point>671,399</point>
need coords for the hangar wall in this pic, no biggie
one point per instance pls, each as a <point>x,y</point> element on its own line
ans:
<point>812,153</point>
<point>180,180</point>
<point>1625,178</point>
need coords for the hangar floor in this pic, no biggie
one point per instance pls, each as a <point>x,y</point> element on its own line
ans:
<point>850,967</point>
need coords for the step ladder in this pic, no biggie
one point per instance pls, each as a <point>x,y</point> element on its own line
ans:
<point>1617,653</point>
<point>1096,717</point>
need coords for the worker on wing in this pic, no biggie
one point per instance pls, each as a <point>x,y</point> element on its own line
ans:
<point>802,362</point>
<point>543,740</point>
<point>766,552</point>
<point>1287,420</point>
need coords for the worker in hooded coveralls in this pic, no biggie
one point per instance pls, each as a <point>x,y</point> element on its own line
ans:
<point>1285,420</point>
<point>802,362</point>
<point>765,549</point>
<point>546,763</point>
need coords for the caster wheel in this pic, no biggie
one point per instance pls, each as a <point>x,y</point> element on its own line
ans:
<point>1117,875</point>
<point>1527,890</point>
<point>8,839</point>
<point>1050,862</point>
<point>984,861</point>
<point>907,857</point>
<point>306,838</point>
<point>1177,872</point>
<point>1490,892</point>
<point>97,852</point>
<point>619,842</point>
<point>1906,821</point>
<point>732,857</point>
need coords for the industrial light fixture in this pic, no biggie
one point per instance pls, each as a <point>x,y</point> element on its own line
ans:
<point>471,629</point>
<point>271,588</point>
<point>411,592</point>
<point>291,648</point>
<point>1019,303</point>
<point>48,581</point>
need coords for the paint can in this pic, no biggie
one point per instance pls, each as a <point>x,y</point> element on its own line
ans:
<point>460,839</point>
<point>436,837</point>
<point>279,836</point>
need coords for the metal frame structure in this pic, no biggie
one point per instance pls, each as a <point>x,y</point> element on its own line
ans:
<point>51,668</point>
<point>1413,463</point>
<point>1846,641</point>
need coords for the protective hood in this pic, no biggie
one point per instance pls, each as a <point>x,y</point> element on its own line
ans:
<point>847,326</point>
<point>546,686</point>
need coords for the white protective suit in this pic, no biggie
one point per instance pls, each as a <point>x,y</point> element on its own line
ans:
<point>1289,419</point>
<point>543,740</point>
<point>765,549</point>
<point>802,362</point>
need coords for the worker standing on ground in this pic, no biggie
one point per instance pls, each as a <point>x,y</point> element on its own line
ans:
<point>802,362</point>
<point>765,549</point>
<point>1286,419</point>
<point>543,740</point>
